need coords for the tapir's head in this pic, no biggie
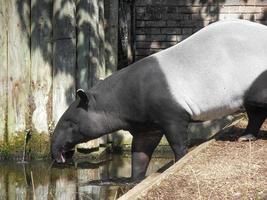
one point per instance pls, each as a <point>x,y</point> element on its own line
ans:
<point>71,129</point>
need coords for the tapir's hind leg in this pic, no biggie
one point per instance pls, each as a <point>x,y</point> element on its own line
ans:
<point>256,107</point>
<point>143,145</point>
<point>256,117</point>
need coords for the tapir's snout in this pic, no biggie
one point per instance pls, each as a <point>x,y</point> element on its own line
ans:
<point>59,150</point>
<point>57,154</point>
<point>61,156</point>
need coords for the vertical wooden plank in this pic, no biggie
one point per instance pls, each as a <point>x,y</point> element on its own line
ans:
<point>101,33</point>
<point>83,78</point>
<point>111,30</point>
<point>88,65</point>
<point>90,44</point>
<point>3,68</point>
<point>18,65</point>
<point>102,64</point>
<point>83,39</point>
<point>64,56</point>
<point>111,39</point>
<point>41,64</point>
<point>94,42</point>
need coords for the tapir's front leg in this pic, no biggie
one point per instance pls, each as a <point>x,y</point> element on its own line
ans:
<point>176,135</point>
<point>143,145</point>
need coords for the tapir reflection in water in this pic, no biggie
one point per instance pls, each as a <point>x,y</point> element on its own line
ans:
<point>213,73</point>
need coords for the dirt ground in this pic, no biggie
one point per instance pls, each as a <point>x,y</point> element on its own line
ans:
<point>227,169</point>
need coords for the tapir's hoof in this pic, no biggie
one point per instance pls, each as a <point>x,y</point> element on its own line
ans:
<point>248,137</point>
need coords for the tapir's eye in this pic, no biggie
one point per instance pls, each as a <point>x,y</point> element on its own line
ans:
<point>71,123</point>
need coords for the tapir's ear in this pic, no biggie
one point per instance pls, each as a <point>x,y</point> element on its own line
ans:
<point>83,96</point>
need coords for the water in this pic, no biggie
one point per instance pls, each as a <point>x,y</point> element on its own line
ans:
<point>40,180</point>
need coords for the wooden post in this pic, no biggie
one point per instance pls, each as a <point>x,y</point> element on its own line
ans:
<point>101,32</point>
<point>102,63</point>
<point>3,69</point>
<point>18,65</point>
<point>83,32</point>
<point>88,65</point>
<point>90,43</point>
<point>64,56</point>
<point>41,65</point>
<point>111,39</point>
<point>94,42</point>
<point>111,30</point>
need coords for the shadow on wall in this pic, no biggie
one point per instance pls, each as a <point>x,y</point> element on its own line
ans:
<point>209,10</point>
<point>65,41</point>
<point>165,24</point>
<point>256,17</point>
<point>63,24</point>
<point>263,19</point>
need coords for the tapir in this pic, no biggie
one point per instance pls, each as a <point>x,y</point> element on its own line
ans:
<point>215,72</point>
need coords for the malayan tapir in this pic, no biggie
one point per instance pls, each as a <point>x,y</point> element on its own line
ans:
<point>215,72</point>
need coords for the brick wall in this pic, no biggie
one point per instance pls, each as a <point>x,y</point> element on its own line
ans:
<point>160,24</point>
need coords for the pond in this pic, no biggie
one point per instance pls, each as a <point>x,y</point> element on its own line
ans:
<point>42,180</point>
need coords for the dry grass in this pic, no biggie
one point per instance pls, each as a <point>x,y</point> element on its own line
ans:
<point>225,170</point>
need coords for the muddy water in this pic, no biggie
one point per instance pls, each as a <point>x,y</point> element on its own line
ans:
<point>41,180</point>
